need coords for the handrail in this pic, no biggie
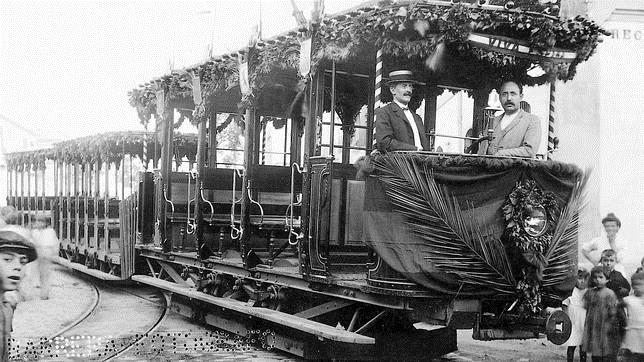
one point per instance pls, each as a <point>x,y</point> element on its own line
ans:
<point>250,198</point>
<point>212,208</point>
<point>165,197</point>
<point>234,231</point>
<point>191,224</point>
<point>289,220</point>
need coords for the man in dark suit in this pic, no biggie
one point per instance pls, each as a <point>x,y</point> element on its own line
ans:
<point>516,132</point>
<point>397,127</point>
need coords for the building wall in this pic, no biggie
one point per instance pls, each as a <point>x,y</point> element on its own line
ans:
<point>600,123</point>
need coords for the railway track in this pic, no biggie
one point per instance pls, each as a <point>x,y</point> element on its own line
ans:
<point>118,320</point>
<point>115,320</point>
<point>109,323</point>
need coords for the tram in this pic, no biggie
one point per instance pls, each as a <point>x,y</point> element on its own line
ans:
<point>246,205</point>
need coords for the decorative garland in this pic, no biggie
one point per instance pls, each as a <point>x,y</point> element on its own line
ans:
<point>527,196</point>
<point>107,147</point>
<point>413,32</point>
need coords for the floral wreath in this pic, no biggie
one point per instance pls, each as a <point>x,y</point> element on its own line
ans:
<point>525,198</point>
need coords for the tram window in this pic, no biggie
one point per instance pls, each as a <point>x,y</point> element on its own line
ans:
<point>454,114</point>
<point>184,127</point>
<point>358,138</point>
<point>337,136</point>
<point>337,152</point>
<point>274,141</point>
<point>229,141</point>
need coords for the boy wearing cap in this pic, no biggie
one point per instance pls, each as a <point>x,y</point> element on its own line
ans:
<point>16,250</point>
<point>397,127</point>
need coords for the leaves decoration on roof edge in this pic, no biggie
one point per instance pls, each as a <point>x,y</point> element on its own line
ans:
<point>412,30</point>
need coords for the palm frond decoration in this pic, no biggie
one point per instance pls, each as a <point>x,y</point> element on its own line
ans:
<point>459,245</point>
<point>562,251</point>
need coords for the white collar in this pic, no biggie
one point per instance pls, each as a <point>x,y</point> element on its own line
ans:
<point>403,106</point>
<point>507,119</point>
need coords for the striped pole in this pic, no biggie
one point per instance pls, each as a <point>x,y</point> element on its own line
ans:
<point>377,89</point>
<point>264,122</point>
<point>551,120</point>
<point>378,84</point>
<point>145,149</point>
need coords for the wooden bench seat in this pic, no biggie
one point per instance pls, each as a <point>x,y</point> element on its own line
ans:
<point>272,191</point>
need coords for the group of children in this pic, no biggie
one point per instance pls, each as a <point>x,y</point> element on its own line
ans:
<point>606,319</point>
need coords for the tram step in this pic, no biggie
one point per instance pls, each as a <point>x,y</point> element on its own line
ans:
<point>283,319</point>
<point>85,270</point>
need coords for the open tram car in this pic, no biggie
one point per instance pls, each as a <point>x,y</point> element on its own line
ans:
<point>258,222</point>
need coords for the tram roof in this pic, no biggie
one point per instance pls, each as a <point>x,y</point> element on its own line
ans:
<point>110,147</point>
<point>479,45</point>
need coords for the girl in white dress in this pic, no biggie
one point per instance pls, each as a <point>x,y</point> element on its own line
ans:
<point>574,307</point>
<point>633,343</point>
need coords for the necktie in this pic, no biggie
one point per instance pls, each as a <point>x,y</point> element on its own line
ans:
<point>412,123</point>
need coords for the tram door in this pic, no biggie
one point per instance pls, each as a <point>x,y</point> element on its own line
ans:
<point>342,137</point>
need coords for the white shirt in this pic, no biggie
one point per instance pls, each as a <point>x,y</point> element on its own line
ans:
<point>600,243</point>
<point>507,119</point>
<point>635,326</point>
<point>412,123</point>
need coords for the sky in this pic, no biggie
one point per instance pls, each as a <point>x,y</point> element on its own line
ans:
<point>66,66</point>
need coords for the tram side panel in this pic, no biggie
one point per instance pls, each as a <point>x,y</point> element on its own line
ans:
<point>145,210</point>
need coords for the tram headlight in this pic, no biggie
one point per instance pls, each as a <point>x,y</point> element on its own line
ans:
<point>535,220</point>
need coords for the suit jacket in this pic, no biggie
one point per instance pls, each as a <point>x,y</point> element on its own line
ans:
<point>393,131</point>
<point>519,139</point>
<point>618,284</point>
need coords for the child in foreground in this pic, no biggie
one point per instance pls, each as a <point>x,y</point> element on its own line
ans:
<point>601,335</point>
<point>616,281</point>
<point>15,251</point>
<point>574,307</point>
<point>633,345</point>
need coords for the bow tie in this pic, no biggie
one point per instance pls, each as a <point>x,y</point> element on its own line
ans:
<point>405,108</point>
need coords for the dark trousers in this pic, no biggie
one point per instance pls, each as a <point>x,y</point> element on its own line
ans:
<point>570,354</point>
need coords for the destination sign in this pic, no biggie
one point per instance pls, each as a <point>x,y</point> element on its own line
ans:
<point>518,48</point>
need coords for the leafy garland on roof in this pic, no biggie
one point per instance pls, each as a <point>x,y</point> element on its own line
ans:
<point>414,31</point>
<point>107,147</point>
<point>34,159</point>
<point>215,77</point>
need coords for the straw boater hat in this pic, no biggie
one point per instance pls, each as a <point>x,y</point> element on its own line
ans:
<point>401,76</point>
<point>15,238</point>
<point>612,217</point>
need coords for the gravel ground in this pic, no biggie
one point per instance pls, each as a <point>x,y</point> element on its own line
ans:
<point>179,339</point>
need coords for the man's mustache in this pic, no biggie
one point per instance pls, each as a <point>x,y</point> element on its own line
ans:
<point>407,94</point>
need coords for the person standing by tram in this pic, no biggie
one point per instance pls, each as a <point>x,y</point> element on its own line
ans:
<point>592,250</point>
<point>397,127</point>
<point>517,133</point>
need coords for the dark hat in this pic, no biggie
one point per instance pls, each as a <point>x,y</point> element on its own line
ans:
<point>612,217</point>
<point>16,240</point>
<point>402,76</point>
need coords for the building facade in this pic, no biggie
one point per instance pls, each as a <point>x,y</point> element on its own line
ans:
<point>600,122</point>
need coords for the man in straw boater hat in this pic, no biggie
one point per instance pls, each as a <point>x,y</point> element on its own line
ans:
<point>397,127</point>
<point>16,250</point>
